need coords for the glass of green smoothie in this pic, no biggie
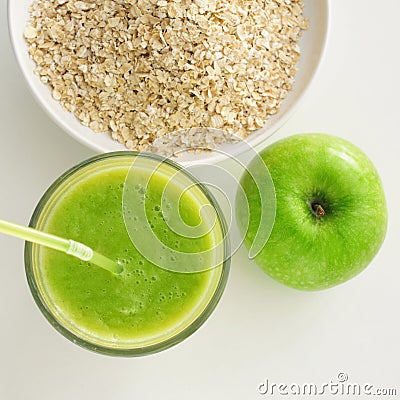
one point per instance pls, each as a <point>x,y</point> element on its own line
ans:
<point>146,308</point>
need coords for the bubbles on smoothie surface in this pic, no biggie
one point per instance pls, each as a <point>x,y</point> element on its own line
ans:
<point>128,303</point>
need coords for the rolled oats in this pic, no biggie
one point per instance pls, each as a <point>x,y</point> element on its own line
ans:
<point>141,69</point>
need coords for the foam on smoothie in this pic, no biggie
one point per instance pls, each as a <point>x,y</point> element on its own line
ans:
<point>144,303</point>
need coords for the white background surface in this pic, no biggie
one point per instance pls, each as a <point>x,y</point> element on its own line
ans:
<point>260,329</point>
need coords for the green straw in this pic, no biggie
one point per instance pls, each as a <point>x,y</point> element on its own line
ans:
<point>67,246</point>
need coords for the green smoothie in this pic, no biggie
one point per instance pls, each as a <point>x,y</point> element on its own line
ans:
<point>143,306</point>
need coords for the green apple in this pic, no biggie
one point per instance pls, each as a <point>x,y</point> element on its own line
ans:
<point>331,215</point>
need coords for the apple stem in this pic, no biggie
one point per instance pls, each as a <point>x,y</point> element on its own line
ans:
<point>317,209</point>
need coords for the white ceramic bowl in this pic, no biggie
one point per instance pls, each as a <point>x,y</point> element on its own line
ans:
<point>312,46</point>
